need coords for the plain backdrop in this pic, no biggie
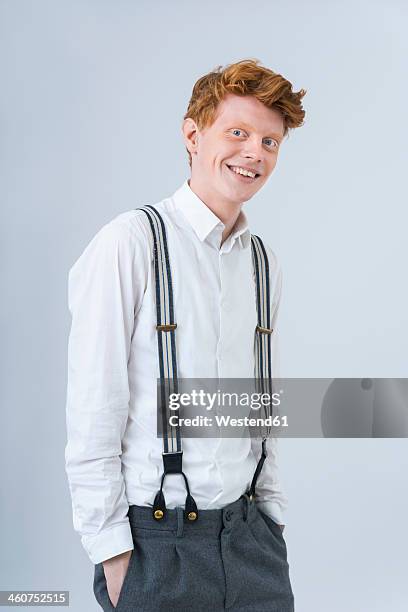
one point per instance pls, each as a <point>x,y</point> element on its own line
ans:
<point>92,98</point>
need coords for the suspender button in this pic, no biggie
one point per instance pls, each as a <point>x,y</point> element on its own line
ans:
<point>158,514</point>
<point>192,516</point>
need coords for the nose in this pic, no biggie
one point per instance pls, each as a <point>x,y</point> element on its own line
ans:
<point>252,149</point>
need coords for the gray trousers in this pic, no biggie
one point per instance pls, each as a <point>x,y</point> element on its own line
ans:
<point>233,559</point>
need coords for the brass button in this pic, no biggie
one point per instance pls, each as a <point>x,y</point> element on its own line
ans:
<point>158,514</point>
<point>192,516</point>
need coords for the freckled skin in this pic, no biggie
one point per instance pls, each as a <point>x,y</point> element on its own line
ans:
<point>245,132</point>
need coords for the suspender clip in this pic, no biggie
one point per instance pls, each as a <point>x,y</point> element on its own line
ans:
<point>167,327</point>
<point>264,330</point>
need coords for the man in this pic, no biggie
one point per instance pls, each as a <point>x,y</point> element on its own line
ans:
<point>235,124</point>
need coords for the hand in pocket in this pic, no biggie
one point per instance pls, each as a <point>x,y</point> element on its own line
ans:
<point>115,570</point>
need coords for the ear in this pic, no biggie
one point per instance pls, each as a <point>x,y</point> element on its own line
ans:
<point>190,135</point>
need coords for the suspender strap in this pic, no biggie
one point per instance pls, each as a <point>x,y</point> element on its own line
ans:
<point>166,344</point>
<point>166,326</point>
<point>251,490</point>
<point>263,334</point>
<point>263,366</point>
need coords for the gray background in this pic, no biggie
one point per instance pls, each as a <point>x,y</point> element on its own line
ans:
<point>92,98</point>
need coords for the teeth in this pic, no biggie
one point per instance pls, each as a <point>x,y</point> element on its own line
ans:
<point>239,170</point>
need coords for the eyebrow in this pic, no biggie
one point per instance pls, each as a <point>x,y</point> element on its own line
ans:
<point>275,135</point>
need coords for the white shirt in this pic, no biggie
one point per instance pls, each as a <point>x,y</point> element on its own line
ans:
<point>113,455</point>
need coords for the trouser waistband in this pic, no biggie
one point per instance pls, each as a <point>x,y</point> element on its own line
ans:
<point>210,521</point>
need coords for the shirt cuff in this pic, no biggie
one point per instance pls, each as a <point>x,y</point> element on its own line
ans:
<point>109,542</point>
<point>271,509</point>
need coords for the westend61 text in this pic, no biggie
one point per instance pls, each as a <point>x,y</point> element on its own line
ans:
<point>228,421</point>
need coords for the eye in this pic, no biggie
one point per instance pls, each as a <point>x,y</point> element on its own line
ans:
<point>270,142</point>
<point>237,130</point>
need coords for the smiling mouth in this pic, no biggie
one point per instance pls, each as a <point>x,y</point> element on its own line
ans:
<point>243,177</point>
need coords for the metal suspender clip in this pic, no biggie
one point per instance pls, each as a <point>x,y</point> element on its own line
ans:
<point>167,327</point>
<point>263,330</point>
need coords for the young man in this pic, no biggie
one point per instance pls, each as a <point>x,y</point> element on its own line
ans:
<point>234,555</point>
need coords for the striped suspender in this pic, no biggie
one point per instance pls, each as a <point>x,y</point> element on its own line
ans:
<point>263,332</point>
<point>263,364</point>
<point>166,342</point>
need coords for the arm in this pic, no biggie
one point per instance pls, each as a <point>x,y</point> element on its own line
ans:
<point>105,291</point>
<point>270,497</point>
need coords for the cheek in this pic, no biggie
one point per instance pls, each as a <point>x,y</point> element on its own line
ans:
<point>272,164</point>
<point>226,152</point>
<point>217,162</point>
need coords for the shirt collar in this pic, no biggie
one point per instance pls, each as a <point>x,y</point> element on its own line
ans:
<point>205,223</point>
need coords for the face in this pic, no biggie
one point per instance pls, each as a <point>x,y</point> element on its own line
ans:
<point>245,134</point>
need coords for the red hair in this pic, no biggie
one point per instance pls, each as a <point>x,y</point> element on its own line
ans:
<point>245,78</point>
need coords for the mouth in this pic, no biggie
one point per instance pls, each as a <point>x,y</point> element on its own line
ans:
<point>242,177</point>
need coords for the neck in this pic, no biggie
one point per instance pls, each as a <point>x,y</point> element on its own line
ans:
<point>226,211</point>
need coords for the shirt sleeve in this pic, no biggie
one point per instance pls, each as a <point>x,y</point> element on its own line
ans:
<point>269,494</point>
<point>105,290</point>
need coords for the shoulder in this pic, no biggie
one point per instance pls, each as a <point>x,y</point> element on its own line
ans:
<point>275,268</point>
<point>134,224</point>
<point>124,227</point>
<point>275,280</point>
<point>125,237</point>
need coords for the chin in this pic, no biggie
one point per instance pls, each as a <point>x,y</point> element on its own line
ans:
<point>244,194</point>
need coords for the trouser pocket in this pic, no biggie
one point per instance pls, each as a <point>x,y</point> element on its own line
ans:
<point>126,582</point>
<point>100,589</point>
